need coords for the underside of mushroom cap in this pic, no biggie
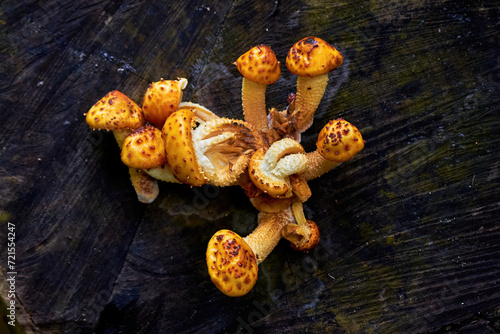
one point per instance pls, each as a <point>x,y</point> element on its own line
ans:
<point>269,169</point>
<point>231,263</point>
<point>339,141</point>
<point>312,56</point>
<point>115,111</point>
<point>223,147</point>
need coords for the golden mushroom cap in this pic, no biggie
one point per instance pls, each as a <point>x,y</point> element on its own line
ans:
<point>231,263</point>
<point>162,99</point>
<point>313,240</point>
<point>179,147</point>
<point>312,56</point>
<point>144,148</point>
<point>259,64</point>
<point>115,111</point>
<point>339,141</point>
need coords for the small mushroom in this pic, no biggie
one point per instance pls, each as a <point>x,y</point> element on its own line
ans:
<point>269,170</point>
<point>303,234</point>
<point>162,99</point>
<point>179,147</point>
<point>311,59</point>
<point>259,68</point>
<point>144,148</point>
<point>116,112</point>
<point>233,261</point>
<point>337,142</point>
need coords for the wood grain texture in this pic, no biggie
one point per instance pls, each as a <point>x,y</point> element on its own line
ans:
<point>410,228</point>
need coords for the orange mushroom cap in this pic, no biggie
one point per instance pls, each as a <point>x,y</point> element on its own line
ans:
<point>115,111</point>
<point>312,56</point>
<point>339,141</point>
<point>313,240</point>
<point>144,148</point>
<point>259,64</point>
<point>180,150</point>
<point>162,99</point>
<point>231,262</point>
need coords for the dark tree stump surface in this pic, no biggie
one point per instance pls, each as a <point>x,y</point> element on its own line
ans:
<point>410,227</point>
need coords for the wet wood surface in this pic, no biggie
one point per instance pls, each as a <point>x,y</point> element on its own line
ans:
<point>410,227</point>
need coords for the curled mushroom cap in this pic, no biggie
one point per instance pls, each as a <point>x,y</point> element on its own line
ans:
<point>259,64</point>
<point>269,169</point>
<point>115,111</point>
<point>179,147</point>
<point>223,147</point>
<point>231,263</point>
<point>339,141</point>
<point>144,148</point>
<point>161,99</point>
<point>303,234</point>
<point>312,56</point>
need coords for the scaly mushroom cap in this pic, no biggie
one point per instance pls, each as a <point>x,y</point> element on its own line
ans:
<point>339,141</point>
<point>161,99</point>
<point>311,57</point>
<point>179,147</point>
<point>269,169</point>
<point>144,148</point>
<point>259,64</point>
<point>231,263</point>
<point>223,147</point>
<point>115,111</point>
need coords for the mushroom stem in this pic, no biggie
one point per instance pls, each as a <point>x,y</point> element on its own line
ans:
<point>304,234</point>
<point>268,233</point>
<point>144,185</point>
<point>317,165</point>
<point>310,91</point>
<point>254,103</point>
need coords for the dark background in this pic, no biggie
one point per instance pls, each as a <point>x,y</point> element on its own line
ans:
<point>410,227</point>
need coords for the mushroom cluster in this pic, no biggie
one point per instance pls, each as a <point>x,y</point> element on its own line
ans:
<point>183,142</point>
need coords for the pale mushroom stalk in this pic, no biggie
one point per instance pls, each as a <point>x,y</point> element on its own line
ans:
<point>253,97</point>
<point>303,233</point>
<point>310,91</point>
<point>233,261</point>
<point>317,165</point>
<point>310,59</point>
<point>259,68</point>
<point>267,234</point>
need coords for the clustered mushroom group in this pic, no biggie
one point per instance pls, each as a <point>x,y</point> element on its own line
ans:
<point>183,142</point>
